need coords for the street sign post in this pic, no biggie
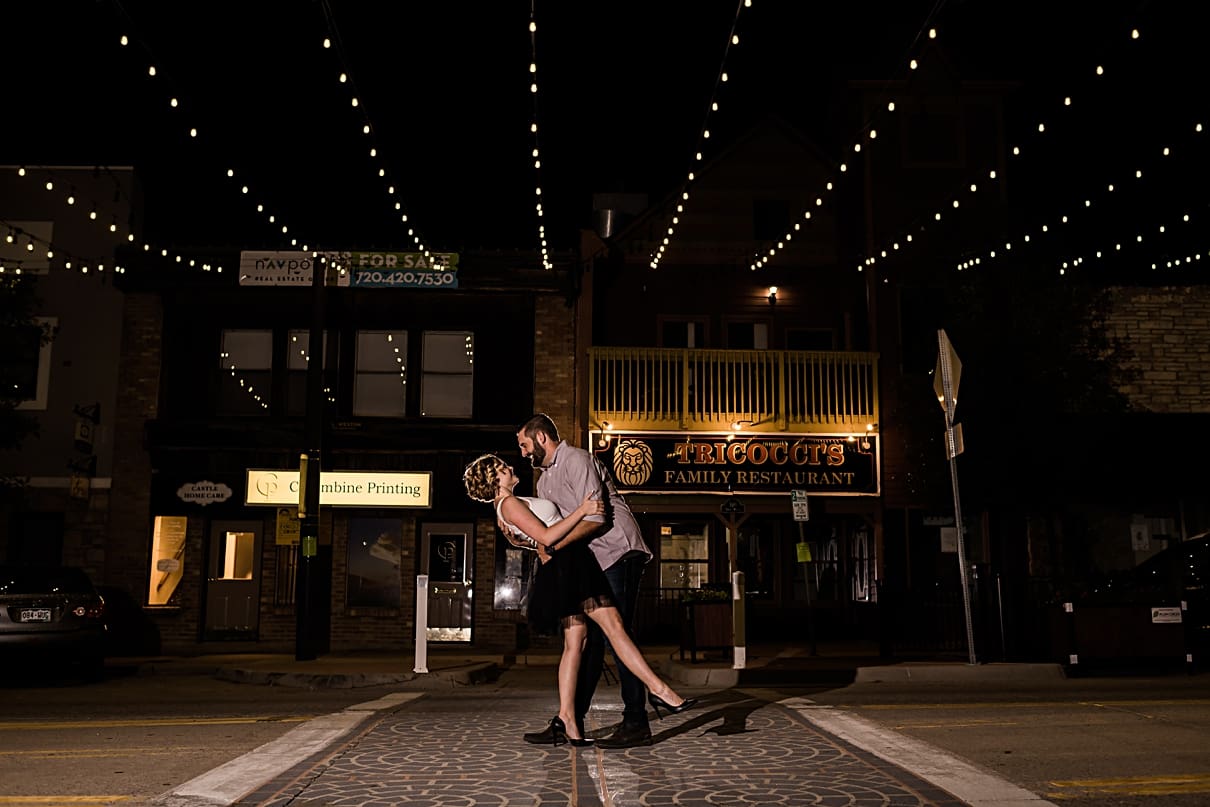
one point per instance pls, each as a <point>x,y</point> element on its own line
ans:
<point>945,383</point>
<point>798,505</point>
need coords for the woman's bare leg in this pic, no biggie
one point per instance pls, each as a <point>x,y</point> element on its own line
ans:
<point>574,636</point>
<point>610,621</point>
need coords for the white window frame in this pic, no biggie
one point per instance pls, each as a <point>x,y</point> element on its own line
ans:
<point>42,390</point>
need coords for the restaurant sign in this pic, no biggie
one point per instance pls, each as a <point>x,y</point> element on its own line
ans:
<point>835,465</point>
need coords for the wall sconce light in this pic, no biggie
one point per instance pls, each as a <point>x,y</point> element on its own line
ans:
<point>773,295</point>
<point>605,438</point>
<point>865,441</point>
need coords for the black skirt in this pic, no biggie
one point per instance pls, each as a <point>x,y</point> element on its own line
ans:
<point>567,588</point>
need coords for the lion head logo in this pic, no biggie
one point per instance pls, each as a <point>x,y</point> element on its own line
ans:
<point>632,462</point>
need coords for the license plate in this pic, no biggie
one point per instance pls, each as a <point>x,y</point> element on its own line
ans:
<point>34,615</point>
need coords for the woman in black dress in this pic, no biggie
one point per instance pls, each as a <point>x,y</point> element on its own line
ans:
<point>568,589</point>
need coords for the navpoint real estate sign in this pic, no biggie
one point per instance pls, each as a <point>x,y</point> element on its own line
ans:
<point>393,270</point>
<point>343,488</point>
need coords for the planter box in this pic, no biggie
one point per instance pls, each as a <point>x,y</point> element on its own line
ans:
<point>705,626</point>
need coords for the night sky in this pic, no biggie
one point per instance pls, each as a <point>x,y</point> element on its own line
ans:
<point>623,94</point>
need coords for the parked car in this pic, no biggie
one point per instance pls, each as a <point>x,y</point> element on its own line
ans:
<point>50,614</point>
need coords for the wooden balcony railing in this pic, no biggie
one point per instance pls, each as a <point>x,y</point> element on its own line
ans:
<point>662,389</point>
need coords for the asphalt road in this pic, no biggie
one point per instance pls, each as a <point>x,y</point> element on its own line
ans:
<point>126,739</point>
<point>1110,742</point>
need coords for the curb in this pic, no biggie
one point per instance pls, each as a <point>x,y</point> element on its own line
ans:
<point>469,675</point>
<point>714,677</point>
<point>970,673</point>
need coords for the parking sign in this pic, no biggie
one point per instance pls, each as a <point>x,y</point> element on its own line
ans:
<point>798,501</point>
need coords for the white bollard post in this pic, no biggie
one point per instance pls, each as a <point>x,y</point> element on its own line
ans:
<point>422,624</point>
<point>737,621</point>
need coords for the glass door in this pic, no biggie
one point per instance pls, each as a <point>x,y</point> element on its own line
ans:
<point>233,580</point>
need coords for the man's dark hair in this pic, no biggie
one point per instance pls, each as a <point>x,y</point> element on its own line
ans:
<point>540,423</point>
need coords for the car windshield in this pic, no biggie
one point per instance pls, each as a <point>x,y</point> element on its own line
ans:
<point>1183,564</point>
<point>42,580</point>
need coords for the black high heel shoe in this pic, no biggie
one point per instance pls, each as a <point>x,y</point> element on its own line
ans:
<point>558,733</point>
<point>658,703</point>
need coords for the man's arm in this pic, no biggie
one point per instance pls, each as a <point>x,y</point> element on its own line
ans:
<point>583,531</point>
<point>581,479</point>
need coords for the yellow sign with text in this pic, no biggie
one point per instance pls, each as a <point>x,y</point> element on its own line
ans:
<point>343,488</point>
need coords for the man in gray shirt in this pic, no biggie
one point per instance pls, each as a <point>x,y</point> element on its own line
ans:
<point>570,474</point>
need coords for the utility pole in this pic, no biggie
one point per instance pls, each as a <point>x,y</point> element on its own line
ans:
<point>306,643</point>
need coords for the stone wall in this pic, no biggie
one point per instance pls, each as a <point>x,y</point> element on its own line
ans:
<point>126,554</point>
<point>1167,330</point>
<point>555,357</point>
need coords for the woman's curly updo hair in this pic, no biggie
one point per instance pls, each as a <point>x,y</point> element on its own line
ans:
<point>482,477</point>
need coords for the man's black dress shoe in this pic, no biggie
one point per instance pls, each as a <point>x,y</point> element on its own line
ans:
<point>547,735</point>
<point>626,737</point>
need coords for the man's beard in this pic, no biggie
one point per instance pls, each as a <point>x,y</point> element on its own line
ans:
<point>537,456</point>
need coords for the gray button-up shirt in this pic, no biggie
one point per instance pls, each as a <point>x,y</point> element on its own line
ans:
<point>571,475</point>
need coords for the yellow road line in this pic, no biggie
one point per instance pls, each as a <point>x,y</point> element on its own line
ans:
<point>42,801</point>
<point>966,725</point>
<point>88,753</point>
<point>1169,785</point>
<point>164,721</point>
<point>1024,704</point>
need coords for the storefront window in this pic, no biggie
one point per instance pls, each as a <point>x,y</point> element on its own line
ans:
<point>167,558</point>
<point>373,576</point>
<point>684,555</point>
<point>381,385</point>
<point>757,558</point>
<point>235,555</point>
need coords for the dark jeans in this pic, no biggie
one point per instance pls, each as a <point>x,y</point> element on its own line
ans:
<point>624,577</point>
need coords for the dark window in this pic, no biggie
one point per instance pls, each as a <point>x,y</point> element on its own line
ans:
<point>298,348</point>
<point>747,336</point>
<point>770,219</point>
<point>447,383</point>
<point>919,320</point>
<point>932,137</point>
<point>810,339</point>
<point>245,372</point>
<point>19,363</point>
<point>682,333</point>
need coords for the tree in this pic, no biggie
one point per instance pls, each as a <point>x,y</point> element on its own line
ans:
<point>1036,353</point>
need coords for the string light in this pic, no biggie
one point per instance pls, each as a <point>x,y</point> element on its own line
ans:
<point>867,132</point>
<point>533,128</point>
<point>722,77</point>
<point>173,100</point>
<point>1016,151</point>
<point>36,244</point>
<point>93,215</point>
<point>333,43</point>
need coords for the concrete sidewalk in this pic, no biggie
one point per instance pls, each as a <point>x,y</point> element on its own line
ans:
<point>765,665</point>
